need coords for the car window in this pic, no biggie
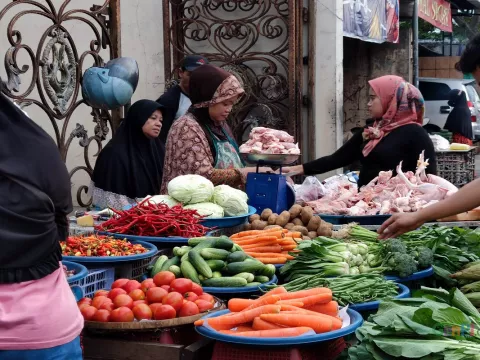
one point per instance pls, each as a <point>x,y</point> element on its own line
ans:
<point>434,91</point>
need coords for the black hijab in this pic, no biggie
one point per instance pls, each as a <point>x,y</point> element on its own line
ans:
<point>460,118</point>
<point>131,164</point>
<point>35,198</point>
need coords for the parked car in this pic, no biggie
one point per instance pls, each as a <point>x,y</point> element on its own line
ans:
<point>435,92</point>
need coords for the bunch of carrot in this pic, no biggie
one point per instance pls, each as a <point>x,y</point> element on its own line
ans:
<point>279,313</point>
<point>268,246</point>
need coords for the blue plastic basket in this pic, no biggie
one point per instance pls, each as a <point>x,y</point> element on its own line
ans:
<point>81,271</point>
<point>230,221</point>
<point>97,279</point>
<point>416,276</point>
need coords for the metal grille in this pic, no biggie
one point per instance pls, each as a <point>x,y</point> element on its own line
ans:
<point>259,41</point>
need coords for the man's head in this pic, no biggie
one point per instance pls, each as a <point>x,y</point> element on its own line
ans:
<point>187,65</point>
<point>470,60</point>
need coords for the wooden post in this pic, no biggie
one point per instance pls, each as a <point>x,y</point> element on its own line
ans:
<point>116,45</point>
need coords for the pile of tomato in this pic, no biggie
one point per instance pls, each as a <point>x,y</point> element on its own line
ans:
<point>160,298</point>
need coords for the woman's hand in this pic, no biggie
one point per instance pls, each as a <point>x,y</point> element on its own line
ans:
<point>298,170</point>
<point>399,224</point>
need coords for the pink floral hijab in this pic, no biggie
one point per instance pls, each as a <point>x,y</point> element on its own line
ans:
<point>402,104</point>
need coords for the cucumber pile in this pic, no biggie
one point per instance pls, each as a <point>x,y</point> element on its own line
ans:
<point>215,262</point>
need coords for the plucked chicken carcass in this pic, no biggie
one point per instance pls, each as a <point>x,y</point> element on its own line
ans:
<point>387,194</point>
<point>269,141</point>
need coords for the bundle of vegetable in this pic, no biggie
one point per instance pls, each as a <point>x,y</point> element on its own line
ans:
<point>96,245</point>
<point>348,289</point>
<point>270,246</point>
<point>215,262</point>
<point>436,325</point>
<point>160,220</point>
<point>279,313</point>
<point>297,219</point>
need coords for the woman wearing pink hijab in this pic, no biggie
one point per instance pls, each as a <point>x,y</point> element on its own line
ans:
<point>393,134</point>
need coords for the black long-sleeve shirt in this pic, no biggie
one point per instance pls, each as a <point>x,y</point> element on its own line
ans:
<point>402,144</point>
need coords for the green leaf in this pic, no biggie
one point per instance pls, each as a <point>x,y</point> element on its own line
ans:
<point>450,316</point>
<point>388,312</point>
<point>460,301</point>
<point>422,323</point>
<point>413,348</point>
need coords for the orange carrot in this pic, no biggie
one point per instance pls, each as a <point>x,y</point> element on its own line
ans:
<point>292,302</point>
<point>294,235</point>
<point>289,247</point>
<point>259,324</point>
<point>217,326</point>
<point>244,316</point>
<point>199,322</point>
<point>266,248</point>
<point>287,242</point>
<point>246,233</point>
<point>336,322</point>
<point>254,254</point>
<point>285,332</point>
<point>241,328</point>
<point>320,324</point>
<point>272,260</point>
<point>256,240</point>
<point>274,291</point>
<point>290,308</point>
<point>252,247</point>
<point>267,300</point>
<point>315,299</point>
<point>330,308</point>
<point>236,305</point>
<point>279,234</point>
<point>304,293</point>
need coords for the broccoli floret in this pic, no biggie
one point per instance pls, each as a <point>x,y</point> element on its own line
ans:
<point>424,257</point>
<point>402,264</point>
<point>394,246</point>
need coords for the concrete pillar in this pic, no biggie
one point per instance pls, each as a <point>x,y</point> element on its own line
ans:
<point>326,77</point>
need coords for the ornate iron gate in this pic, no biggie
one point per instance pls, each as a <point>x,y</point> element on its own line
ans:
<point>56,67</point>
<point>259,41</point>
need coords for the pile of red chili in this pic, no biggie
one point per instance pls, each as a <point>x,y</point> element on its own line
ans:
<point>158,220</point>
<point>96,245</point>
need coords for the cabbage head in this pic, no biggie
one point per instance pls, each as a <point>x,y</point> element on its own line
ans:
<point>166,199</point>
<point>209,210</point>
<point>190,189</point>
<point>233,201</point>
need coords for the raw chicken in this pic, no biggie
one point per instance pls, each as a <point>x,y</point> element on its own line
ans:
<point>270,141</point>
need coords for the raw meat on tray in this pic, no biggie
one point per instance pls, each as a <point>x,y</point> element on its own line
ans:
<point>269,141</point>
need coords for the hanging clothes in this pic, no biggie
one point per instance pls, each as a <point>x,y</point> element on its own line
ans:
<point>459,121</point>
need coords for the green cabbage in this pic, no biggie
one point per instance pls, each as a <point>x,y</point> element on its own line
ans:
<point>190,189</point>
<point>207,209</point>
<point>166,199</point>
<point>233,201</point>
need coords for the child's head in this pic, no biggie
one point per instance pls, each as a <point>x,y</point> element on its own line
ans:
<point>470,60</point>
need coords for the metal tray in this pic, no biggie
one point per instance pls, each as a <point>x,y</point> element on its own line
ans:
<point>270,159</point>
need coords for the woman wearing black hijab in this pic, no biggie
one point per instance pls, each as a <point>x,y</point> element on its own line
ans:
<point>38,314</point>
<point>459,121</point>
<point>130,166</point>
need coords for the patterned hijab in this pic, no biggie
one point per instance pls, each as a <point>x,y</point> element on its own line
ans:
<point>402,104</point>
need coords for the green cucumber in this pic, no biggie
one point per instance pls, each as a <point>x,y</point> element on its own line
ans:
<point>217,274</point>
<point>176,270</point>
<point>245,266</point>
<point>247,276</point>
<point>201,277</point>
<point>255,283</point>
<point>173,261</point>
<point>223,243</point>
<point>175,251</point>
<point>261,279</point>
<point>195,241</point>
<point>189,271</point>
<point>237,256</point>
<point>236,247</point>
<point>158,265</point>
<point>216,265</point>
<point>182,250</point>
<point>269,271</point>
<point>225,282</point>
<point>184,257</point>
<point>203,245</point>
<point>200,264</point>
<point>214,254</point>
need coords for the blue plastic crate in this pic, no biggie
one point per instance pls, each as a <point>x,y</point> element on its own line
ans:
<point>97,279</point>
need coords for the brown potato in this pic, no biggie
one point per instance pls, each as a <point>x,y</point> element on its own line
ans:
<point>314,223</point>
<point>259,225</point>
<point>306,215</point>
<point>295,211</point>
<point>297,222</point>
<point>283,219</point>
<point>268,227</point>
<point>254,217</point>
<point>289,226</point>
<point>312,234</point>
<point>266,214</point>
<point>324,230</point>
<point>272,219</point>
<point>247,227</point>
<point>306,238</point>
<point>301,229</point>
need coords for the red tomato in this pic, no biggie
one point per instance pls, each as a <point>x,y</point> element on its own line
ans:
<point>203,305</point>
<point>181,285</point>
<point>84,301</point>
<point>197,289</point>
<point>188,309</point>
<point>101,316</point>
<point>137,294</point>
<point>207,297</point>
<point>147,284</point>
<point>163,278</point>
<point>123,301</point>
<point>166,287</point>
<point>164,312</point>
<point>190,296</point>
<point>83,305</point>
<point>137,302</point>
<point>174,299</point>
<point>99,300</point>
<point>156,295</point>
<point>101,293</point>
<point>88,312</point>
<point>119,283</point>
<point>122,314</point>
<point>115,292</point>
<point>154,307</point>
<point>142,311</point>
<point>131,285</point>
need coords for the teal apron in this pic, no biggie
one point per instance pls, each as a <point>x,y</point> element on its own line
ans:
<point>226,152</point>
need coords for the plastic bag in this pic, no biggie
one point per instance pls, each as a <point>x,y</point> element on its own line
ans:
<point>439,142</point>
<point>311,189</point>
<point>332,184</point>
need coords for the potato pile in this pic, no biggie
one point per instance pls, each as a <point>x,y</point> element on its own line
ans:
<point>297,219</point>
